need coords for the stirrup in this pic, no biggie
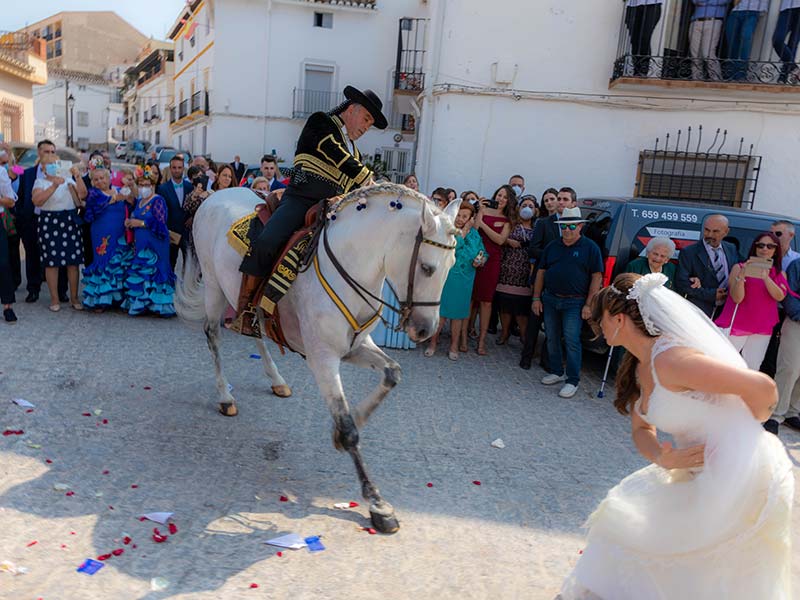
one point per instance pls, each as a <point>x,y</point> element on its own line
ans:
<point>238,324</point>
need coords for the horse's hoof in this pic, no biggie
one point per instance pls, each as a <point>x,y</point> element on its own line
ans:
<point>228,409</point>
<point>384,523</point>
<point>282,391</point>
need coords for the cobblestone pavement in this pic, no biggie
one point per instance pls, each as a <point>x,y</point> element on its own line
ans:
<point>163,448</point>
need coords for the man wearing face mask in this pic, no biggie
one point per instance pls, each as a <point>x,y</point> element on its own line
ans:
<point>326,164</point>
<point>570,274</point>
<point>517,183</point>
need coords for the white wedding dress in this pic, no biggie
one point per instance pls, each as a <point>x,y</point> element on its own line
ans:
<point>719,532</point>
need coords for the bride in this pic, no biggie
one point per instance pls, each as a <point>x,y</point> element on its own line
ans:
<point>710,518</point>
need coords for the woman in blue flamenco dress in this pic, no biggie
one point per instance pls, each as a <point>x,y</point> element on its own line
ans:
<point>150,281</point>
<point>106,210</point>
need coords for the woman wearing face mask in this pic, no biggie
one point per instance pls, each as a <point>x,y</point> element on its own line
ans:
<point>150,282</point>
<point>458,287</point>
<point>493,222</point>
<point>106,211</point>
<point>60,240</point>
<point>513,288</point>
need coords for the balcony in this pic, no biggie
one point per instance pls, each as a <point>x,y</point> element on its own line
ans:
<point>191,109</point>
<point>671,48</point>
<point>405,123</point>
<point>306,102</point>
<point>409,76</point>
<point>172,118</point>
<point>183,109</point>
<point>197,101</point>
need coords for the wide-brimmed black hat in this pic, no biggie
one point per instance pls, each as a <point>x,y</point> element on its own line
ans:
<point>369,100</point>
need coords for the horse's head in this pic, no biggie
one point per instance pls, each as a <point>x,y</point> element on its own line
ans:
<point>418,269</point>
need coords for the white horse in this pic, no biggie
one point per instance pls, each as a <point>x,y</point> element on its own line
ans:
<point>380,232</point>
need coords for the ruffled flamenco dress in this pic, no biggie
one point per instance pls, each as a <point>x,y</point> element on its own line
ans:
<point>150,281</point>
<point>103,279</point>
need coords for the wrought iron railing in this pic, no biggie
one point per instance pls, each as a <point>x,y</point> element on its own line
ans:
<point>686,168</point>
<point>172,118</point>
<point>409,73</point>
<point>678,40</point>
<point>307,102</point>
<point>183,109</point>
<point>197,101</point>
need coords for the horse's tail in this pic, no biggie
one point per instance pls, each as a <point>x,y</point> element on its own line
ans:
<point>189,288</point>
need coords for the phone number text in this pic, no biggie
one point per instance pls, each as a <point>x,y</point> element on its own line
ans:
<point>665,216</point>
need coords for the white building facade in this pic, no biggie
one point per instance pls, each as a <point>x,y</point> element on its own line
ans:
<point>248,73</point>
<point>535,97</point>
<point>91,122</point>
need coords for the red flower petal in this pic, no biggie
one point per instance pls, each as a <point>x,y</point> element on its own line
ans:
<point>134,486</point>
<point>147,387</point>
<point>133,385</point>
<point>158,537</point>
<point>72,533</point>
<point>126,540</point>
<point>105,421</point>
<point>117,552</point>
<point>253,585</point>
<point>105,472</point>
<point>580,551</point>
<point>353,504</point>
<point>110,507</point>
<point>8,432</point>
<point>280,553</point>
<point>143,519</point>
<point>173,529</point>
<point>30,410</point>
<point>86,414</point>
<point>48,461</point>
<point>63,545</point>
<point>429,484</point>
<point>70,493</point>
<point>134,546</point>
<point>33,543</point>
<point>283,499</point>
<point>104,557</point>
<point>476,482</point>
<point>371,531</point>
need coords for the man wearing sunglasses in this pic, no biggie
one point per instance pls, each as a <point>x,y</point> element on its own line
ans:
<point>784,231</point>
<point>570,274</point>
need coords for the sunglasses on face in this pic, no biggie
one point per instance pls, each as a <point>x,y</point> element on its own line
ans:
<point>777,233</point>
<point>762,245</point>
<point>570,226</point>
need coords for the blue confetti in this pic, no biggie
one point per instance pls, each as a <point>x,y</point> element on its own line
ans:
<point>256,356</point>
<point>90,567</point>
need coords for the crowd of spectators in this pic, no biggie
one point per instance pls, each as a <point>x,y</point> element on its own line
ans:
<point>522,265</point>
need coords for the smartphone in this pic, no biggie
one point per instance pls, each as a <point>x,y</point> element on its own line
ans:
<point>492,204</point>
<point>756,268</point>
<point>201,181</point>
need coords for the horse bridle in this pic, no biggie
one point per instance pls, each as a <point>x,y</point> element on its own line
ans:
<point>404,311</point>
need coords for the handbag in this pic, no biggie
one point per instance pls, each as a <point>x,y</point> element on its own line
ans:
<point>9,222</point>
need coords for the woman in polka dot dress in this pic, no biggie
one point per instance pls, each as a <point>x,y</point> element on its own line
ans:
<point>61,245</point>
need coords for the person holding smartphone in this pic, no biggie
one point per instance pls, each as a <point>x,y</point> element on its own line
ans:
<point>751,309</point>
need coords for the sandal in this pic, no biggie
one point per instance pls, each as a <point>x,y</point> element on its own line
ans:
<point>55,307</point>
<point>481,351</point>
<point>463,348</point>
<point>452,355</point>
<point>429,352</point>
<point>77,306</point>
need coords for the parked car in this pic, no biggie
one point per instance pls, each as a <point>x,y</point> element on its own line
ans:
<point>25,154</point>
<point>255,171</point>
<point>623,226</point>
<point>137,152</point>
<point>166,155</point>
<point>156,149</point>
<point>120,149</point>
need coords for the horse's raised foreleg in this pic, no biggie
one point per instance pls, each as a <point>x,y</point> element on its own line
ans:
<point>345,437</point>
<point>369,356</point>
<point>279,386</point>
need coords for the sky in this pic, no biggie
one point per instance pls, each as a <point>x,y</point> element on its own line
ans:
<point>151,17</point>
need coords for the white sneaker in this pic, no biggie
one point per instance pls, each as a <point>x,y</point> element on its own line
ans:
<point>553,379</point>
<point>568,391</point>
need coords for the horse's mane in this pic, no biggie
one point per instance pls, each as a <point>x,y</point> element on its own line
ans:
<point>393,189</point>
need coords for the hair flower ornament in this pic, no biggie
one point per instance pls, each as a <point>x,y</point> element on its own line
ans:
<point>640,291</point>
<point>96,162</point>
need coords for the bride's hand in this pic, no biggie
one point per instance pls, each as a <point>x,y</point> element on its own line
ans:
<point>687,458</point>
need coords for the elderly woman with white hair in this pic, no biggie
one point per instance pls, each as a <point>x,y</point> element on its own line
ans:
<point>656,260</point>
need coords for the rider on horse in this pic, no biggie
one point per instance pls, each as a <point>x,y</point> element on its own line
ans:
<point>326,164</point>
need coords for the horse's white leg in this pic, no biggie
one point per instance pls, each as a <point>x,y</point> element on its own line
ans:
<point>279,386</point>
<point>369,356</point>
<point>325,366</point>
<point>215,304</point>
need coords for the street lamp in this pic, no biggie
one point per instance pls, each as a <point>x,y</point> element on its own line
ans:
<point>71,124</point>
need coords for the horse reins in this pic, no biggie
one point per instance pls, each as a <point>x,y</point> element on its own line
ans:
<point>404,311</point>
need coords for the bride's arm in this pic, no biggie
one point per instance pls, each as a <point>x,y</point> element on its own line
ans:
<point>664,455</point>
<point>687,369</point>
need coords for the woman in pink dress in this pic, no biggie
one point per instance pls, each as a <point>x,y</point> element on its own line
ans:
<point>493,222</point>
<point>751,310</point>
